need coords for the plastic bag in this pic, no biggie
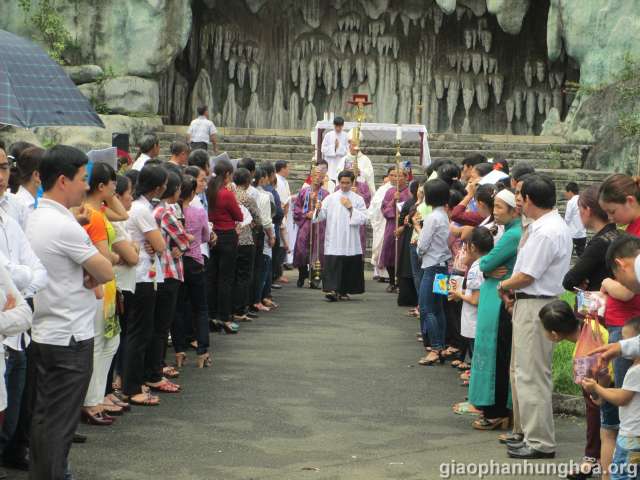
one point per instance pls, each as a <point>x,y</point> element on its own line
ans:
<point>441,284</point>
<point>590,303</point>
<point>585,366</point>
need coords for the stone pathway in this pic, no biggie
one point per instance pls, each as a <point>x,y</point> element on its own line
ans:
<point>312,391</point>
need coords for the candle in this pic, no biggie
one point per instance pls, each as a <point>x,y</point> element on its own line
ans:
<point>314,137</point>
<point>399,133</point>
<point>326,116</point>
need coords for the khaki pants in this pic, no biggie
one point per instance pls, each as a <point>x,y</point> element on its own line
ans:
<point>533,382</point>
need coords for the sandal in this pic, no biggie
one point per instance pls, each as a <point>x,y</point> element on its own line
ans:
<point>455,363</point>
<point>147,401</point>
<point>170,372</point>
<point>115,400</point>
<point>465,408</point>
<point>165,386</point>
<point>344,297</point>
<point>463,366</point>
<point>501,423</point>
<point>465,376</point>
<point>450,352</point>
<point>431,359</point>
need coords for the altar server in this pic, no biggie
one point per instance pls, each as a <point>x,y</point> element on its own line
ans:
<point>344,212</point>
<point>334,147</point>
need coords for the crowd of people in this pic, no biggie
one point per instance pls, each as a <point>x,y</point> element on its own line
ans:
<point>104,271</point>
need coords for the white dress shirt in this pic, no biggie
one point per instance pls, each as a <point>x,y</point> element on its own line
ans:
<point>140,162</point>
<point>64,309</point>
<point>433,244</point>
<point>125,274</point>
<point>27,199</point>
<point>572,217</point>
<point>13,322</point>
<point>332,154</point>
<point>282,187</point>
<point>16,209</point>
<point>201,130</point>
<point>545,255</point>
<point>342,232</point>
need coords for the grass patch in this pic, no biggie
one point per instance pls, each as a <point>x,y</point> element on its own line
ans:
<point>562,367</point>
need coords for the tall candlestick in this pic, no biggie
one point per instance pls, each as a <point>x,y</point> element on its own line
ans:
<point>399,133</point>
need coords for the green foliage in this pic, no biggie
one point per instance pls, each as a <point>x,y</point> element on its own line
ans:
<point>44,17</point>
<point>49,142</point>
<point>562,367</point>
<point>97,100</point>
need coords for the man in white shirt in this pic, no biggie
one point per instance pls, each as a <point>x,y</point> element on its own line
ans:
<point>202,131</point>
<point>284,192</point>
<point>344,212</point>
<point>572,217</point>
<point>334,147</point>
<point>62,333</point>
<point>542,263</point>
<point>149,148</point>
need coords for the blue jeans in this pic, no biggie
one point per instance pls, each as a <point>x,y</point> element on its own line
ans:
<point>609,419</point>
<point>433,322</point>
<point>625,458</point>
<point>416,267</point>
<point>14,376</point>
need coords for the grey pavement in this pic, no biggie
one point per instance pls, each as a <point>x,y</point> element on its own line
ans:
<point>311,391</point>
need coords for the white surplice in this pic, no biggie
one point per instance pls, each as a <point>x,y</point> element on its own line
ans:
<point>378,222</point>
<point>365,169</point>
<point>342,234</point>
<point>332,154</point>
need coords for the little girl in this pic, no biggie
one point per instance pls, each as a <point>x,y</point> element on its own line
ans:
<point>480,243</point>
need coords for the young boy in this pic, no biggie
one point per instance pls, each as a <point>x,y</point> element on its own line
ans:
<point>560,323</point>
<point>627,398</point>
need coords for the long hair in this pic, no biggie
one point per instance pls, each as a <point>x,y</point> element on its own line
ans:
<point>222,168</point>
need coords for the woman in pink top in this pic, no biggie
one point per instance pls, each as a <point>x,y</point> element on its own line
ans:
<point>193,292</point>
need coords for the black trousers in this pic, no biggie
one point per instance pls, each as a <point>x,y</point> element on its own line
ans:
<point>192,304</point>
<point>222,272</point>
<point>256,280</point>
<point>503,359</point>
<point>139,335</point>
<point>279,256</point>
<point>62,379</point>
<point>453,311</point>
<point>199,146</point>
<point>165,312</point>
<point>244,278</point>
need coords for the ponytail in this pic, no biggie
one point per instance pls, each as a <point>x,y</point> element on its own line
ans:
<point>617,187</point>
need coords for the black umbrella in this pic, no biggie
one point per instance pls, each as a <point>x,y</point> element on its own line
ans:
<point>35,91</point>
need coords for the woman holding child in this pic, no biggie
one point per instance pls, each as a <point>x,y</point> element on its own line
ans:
<point>489,385</point>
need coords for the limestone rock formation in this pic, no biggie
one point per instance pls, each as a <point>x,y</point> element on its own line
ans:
<point>84,73</point>
<point>132,37</point>
<point>125,94</point>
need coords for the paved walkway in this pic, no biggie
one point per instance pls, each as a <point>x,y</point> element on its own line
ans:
<point>312,391</point>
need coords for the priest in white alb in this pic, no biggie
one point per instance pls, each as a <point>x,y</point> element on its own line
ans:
<point>344,212</point>
<point>334,147</point>
<point>378,223</point>
<point>365,167</point>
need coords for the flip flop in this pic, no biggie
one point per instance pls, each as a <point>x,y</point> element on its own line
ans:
<point>465,408</point>
<point>165,386</point>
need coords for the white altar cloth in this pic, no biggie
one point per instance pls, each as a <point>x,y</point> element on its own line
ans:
<point>385,132</point>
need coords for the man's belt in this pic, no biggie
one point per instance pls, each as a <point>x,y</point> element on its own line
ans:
<point>526,296</point>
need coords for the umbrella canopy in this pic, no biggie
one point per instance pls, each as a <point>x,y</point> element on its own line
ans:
<point>35,91</point>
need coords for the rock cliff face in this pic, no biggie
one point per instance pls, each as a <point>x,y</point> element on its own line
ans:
<point>465,66</point>
<point>457,65</point>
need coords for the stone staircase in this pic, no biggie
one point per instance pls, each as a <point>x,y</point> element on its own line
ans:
<point>295,147</point>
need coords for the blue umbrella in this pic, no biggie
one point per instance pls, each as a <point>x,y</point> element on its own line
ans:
<point>35,91</point>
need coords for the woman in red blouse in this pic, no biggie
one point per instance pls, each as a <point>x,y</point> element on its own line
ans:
<point>224,213</point>
<point>620,198</point>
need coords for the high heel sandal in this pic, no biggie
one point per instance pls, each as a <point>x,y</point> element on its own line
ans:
<point>181,359</point>
<point>204,361</point>
<point>501,423</point>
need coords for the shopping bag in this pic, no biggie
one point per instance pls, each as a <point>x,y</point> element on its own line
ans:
<point>441,284</point>
<point>585,366</point>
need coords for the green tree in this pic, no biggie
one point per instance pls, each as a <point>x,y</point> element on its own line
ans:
<point>49,24</point>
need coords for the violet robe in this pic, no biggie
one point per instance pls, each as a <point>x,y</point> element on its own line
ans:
<point>300,209</point>
<point>362,189</point>
<point>389,209</point>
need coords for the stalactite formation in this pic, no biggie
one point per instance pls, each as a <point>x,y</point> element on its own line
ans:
<point>258,64</point>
